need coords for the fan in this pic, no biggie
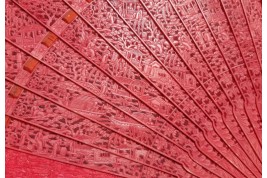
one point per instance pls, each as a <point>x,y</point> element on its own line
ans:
<point>133,88</point>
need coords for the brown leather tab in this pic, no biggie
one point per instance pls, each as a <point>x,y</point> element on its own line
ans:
<point>49,39</point>
<point>15,91</point>
<point>7,120</point>
<point>30,64</point>
<point>69,16</point>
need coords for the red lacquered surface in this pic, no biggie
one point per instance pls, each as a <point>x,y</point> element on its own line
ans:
<point>19,164</point>
<point>136,88</point>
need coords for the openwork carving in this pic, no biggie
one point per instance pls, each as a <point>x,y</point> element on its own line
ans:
<point>139,88</point>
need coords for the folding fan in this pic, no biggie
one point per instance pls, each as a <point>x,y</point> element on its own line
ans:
<point>134,88</point>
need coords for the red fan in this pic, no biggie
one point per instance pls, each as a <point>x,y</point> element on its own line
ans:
<point>133,88</point>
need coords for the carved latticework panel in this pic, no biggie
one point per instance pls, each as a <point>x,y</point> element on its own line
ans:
<point>134,88</point>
